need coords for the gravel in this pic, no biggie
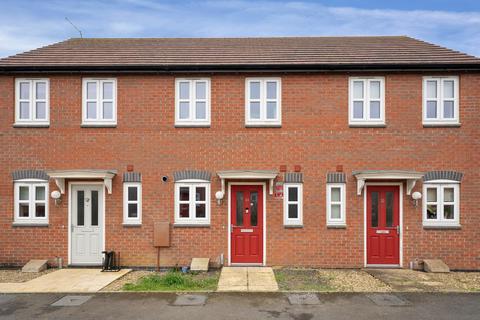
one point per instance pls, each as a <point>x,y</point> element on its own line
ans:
<point>16,275</point>
<point>131,277</point>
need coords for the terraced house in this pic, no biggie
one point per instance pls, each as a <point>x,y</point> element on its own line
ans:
<point>316,151</point>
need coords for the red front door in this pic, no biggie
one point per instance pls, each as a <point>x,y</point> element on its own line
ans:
<point>383,225</point>
<point>247,224</point>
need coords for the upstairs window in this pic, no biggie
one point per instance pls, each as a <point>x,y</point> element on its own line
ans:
<point>132,203</point>
<point>441,204</point>
<point>367,101</point>
<point>440,101</point>
<point>336,204</point>
<point>31,202</point>
<point>263,102</point>
<point>192,102</point>
<point>32,105</point>
<point>192,203</point>
<point>293,204</point>
<point>99,102</point>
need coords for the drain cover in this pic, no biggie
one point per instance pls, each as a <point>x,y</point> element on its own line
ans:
<point>387,300</point>
<point>71,301</point>
<point>303,298</point>
<point>190,300</point>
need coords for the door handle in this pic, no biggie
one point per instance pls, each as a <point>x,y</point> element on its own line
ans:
<point>398,229</point>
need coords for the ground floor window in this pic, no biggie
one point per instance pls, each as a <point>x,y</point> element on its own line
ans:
<point>293,204</point>
<point>336,204</point>
<point>441,205</point>
<point>31,202</point>
<point>192,203</point>
<point>132,203</point>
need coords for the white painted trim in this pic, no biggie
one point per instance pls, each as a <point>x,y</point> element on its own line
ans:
<point>363,176</point>
<point>343,218</point>
<point>366,120</point>
<point>138,219</point>
<point>31,184</point>
<point>441,221</point>
<point>400,185</point>
<point>286,220</point>
<point>229,235</point>
<point>192,220</point>
<point>99,120</point>
<point>192,121</point>
<point>31,121</point>
<point>263,121</point>
<point>70,184</point>
<point>440,120</point>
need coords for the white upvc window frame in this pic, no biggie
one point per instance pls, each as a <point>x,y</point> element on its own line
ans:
<point>192,220</point>
<point>32,184</point>
<point>440,186</point>
<point>286,201</point>
<point>263,100</point>
<point>342,221</point>
<point>366,120</point>
<point>99,121</point>
<point>440,100</point>
<point>126,219</point>
<point>32,100</point>
<point>192,121</point>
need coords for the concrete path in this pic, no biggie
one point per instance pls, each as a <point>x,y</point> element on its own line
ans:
<point>254,279</point>
<point>65,280</point>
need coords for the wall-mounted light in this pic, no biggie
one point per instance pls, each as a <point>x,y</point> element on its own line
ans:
<point>415,197</point>
<point>219,196</point>
<point>56,195</point>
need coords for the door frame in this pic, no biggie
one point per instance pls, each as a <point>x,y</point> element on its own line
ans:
<point>264,231</point>
<point>87,183</point>
<point>365,225</point>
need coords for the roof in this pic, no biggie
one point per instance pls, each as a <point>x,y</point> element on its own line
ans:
<point>286,53</point>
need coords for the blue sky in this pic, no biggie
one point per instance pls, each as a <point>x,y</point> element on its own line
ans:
<point>26,25</point>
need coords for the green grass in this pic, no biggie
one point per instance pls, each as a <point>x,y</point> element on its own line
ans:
<point>176,281</point>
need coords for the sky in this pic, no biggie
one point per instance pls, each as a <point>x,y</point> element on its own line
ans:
<point>26,25</point>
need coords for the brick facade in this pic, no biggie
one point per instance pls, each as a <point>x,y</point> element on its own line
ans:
<point>315,135</point>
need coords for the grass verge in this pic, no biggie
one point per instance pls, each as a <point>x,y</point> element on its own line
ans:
<point>175,281</point>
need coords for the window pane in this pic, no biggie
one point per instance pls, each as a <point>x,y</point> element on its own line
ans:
<point>448,109</point>
<point>107,90</point>
<point>200,193</point>
<point>107,110</point>
<point>201,110</point>
<point>132,194</point>
<point>91,90</point>
<point>200,211</point>
<point>39,210</point>
<point>24,193</point>
<point>358,110</point>
<point>255,110</point>
<point>254,90</point>
<point>432,211</point>
<point>23,210</point>
<point>24,110</point>
<point>389,209</point>
<point>293,211</point>
<point>375,109</point>
<point>374,209</point>
<point>431,109</point>
<point>40,110</point>
<point>448,195</point>
<point>24,90</point>
<point>271,90</point>
<point>271,110</point>
<point>39,193</point>
<point>184,193</point>
<point>254,208</point>
<point>201,90</point>
<point>431,89</point>
<point>184,210</point>
<point>335,194</point>
<point>448,89</point>
<point>358,90</point>
<point>41,90</point>
<point>335,211</point>
<point>94,208</point>
<point>184,110</point>
<point>292,194</point>
<point>375,89</point>
<point>132,210</point>
<point>91,110</point>
<point>80,208</point>
<point>239,208</point>
<point>448,211</point>
<point>184,90</point>
<point>431,195</point>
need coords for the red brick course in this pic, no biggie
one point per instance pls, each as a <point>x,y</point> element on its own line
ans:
<point>314,135</point>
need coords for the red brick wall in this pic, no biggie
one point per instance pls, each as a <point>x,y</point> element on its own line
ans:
<point>314,134</point>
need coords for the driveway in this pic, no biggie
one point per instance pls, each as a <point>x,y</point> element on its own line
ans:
<point>243,306</point>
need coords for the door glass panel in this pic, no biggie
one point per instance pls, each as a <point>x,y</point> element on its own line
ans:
<point>254,208</point>
<point>94,208</point>
<point>374,209</point>
<point>239,212</point>
<point>80,208</point>
<point>389,207</point>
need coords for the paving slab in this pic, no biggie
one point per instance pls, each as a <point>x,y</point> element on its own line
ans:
<point>190,300</point>
<point>199,264</point>
<point>387,300</point>
<point>35,266</point>
<point>303,299</point>
<point>435,266</point>
<point>71,301</point>
<point>255,279</point>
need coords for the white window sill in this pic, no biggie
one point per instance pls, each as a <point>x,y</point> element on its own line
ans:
<point>262,124</point>
<point>99,125</point>
<point>427,124</point>
<point>199,124</point>
<point>31,124</point>
<point>336,225</point>
<point>132,224</point>
<point>367,124</point>
<point>30,224</point>
<point>191,225</point>
<point>293,225</point>
<point>441,226</point>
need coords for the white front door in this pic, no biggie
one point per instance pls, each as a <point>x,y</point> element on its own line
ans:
<point>87,224</point>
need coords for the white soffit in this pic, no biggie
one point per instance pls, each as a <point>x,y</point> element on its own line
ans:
<point>410,176</point>
<point>247,175</point>
<point>61,175</point>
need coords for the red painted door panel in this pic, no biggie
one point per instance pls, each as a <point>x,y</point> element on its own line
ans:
<point>247,224</point>
<point>383,221</point>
